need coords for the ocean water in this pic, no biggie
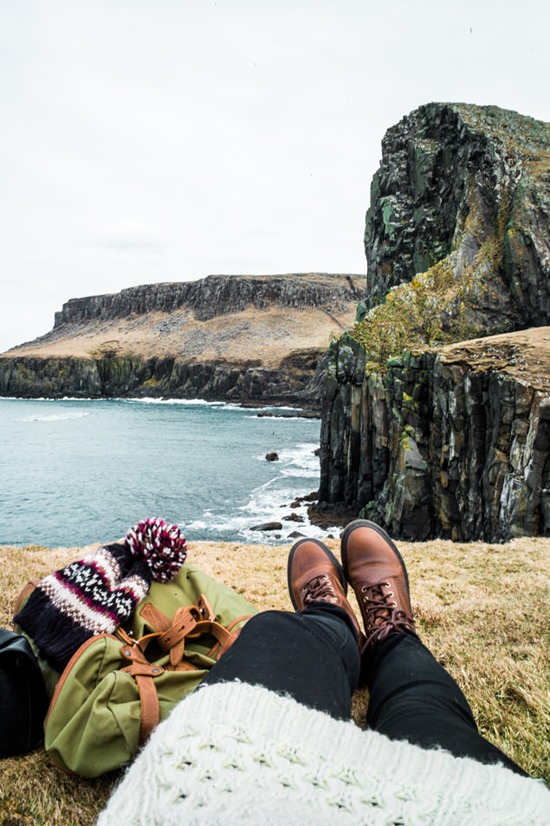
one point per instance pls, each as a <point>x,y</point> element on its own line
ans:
<point>73,472</point>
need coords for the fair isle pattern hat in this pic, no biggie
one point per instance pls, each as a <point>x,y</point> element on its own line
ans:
<point>98,593</point>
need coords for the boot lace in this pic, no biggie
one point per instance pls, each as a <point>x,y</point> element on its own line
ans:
<point>382,615</point>
<point>318,589</point>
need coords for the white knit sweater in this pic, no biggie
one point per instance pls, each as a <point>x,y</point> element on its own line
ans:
<point>237,755</point>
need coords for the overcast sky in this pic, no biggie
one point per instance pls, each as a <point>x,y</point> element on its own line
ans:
<point>164,140</point>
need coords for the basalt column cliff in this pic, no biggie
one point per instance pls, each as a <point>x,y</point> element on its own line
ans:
<point>427,437</point>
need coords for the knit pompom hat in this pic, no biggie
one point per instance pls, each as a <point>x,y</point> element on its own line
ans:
<point>98,593</point>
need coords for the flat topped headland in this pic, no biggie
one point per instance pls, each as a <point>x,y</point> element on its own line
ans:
<point>235,338</point>
<point>261,317</point>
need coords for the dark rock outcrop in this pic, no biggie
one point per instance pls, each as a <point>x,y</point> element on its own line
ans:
<point>453,444</point>
<point>268,526</point>
<point>447,442</point>
<point>168,377</point>
<point>466,188</point>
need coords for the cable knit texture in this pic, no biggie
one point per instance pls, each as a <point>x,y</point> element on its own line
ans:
<point>234,754</point>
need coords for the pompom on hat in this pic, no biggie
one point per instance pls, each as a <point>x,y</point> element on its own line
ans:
<point>98,593</point>
<point>160,546</point>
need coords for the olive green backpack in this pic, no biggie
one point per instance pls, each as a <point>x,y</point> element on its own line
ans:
<point>116,688</point>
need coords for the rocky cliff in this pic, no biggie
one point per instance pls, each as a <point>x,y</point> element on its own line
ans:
<point>216,295</point>
<point>454,443</point>
<point>454,440</point>
<point>254,339</point>
<point>463,194</point>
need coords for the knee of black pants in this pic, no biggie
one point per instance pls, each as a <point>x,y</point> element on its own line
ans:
<point>403,666</point>
<point>313,659</point>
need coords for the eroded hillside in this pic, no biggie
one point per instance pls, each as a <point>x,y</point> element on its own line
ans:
<point>251,339</point>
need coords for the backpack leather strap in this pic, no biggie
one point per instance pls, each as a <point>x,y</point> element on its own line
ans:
<point>173,640</point>
<point>24,595</point>
<point>189,622</point>
<point>155,617</point>
<point>144,672</point>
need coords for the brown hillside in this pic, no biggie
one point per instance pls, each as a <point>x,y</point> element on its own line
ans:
<point>235,318</point>
<point>268,336</point>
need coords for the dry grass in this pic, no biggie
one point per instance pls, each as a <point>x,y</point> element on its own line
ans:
<point>482,609</point>
<point>268,336</point>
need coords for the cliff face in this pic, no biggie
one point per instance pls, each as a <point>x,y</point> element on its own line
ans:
<point>120,376</point>
<point>453,441</point>
<point>465,188</point>
<point>255,339</point>
<point>453,444</point>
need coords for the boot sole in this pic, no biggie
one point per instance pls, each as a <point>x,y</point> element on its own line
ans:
<point>328,553</point>
<point>364,523</point>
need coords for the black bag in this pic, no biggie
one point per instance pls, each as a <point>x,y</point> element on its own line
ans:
<point>23,696</point>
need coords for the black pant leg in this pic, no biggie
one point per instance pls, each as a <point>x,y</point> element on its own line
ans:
<point>413,698</point>
<point>312,656</point>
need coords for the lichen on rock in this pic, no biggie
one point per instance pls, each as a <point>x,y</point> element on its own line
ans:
<point>456,236</point>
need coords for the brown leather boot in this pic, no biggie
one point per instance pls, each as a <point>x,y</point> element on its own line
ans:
<point>375,570</point>
<point>315,575</point>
